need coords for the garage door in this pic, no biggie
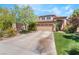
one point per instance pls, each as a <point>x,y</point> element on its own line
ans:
<point>45,26</point>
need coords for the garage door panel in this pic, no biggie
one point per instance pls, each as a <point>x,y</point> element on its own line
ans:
<point>44,28</point>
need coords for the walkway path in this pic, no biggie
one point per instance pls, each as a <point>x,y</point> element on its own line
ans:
<point>26,44</point>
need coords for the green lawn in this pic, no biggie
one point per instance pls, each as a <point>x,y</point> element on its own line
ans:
<point>64,42</point>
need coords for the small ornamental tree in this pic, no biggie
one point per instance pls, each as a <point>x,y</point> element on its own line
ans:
<point>74,18</point>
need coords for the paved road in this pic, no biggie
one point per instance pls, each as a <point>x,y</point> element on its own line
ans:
<point>26,44</point>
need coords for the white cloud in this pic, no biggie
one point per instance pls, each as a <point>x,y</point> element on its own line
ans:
<point>62,11</point>
<point>56,11</point>
<point>66,11</point>
<point>69,12</point>
<point>43,10</point>
<point>67,7</point>
<point>21,5</point>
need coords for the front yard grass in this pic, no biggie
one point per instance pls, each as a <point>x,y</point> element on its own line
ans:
<point>64,42</point>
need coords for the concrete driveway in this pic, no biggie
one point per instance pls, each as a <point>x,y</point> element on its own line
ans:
<point>35,43</point>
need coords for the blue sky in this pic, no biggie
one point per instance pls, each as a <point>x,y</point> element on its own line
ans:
<point>47,9</point>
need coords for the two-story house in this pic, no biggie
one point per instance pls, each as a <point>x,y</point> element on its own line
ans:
<point>45,22</point>
<point>48,22</point>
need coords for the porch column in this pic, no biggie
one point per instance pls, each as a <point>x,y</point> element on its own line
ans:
<point>78,29</point>
<point>54,27</point>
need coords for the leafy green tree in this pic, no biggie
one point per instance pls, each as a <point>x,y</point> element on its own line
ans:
<point>28,17</point>
<point>24,15</point>
<point>75,18</point>
<point>6,18</point>
<point>16,11</point>
<point>74,21</point>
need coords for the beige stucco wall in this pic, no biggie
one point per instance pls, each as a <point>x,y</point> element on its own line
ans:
<point>77,29</point>
<point>64,23</point>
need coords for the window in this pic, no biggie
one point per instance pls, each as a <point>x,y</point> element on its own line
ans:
<point>43,18</point>
<point>39,18</point>
<point>48,17</point>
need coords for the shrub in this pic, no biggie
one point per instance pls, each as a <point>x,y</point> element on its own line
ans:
<point>10,32</point>
<point>58,25</point>
<point>73,50</point>
<point>1,34</point>
<point>32,27</point>
<point>70,29</point>
<point>24,31</point>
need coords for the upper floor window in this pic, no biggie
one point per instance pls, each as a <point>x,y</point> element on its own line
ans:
<point>43,18</point>
<point>48,17</point>
<point>39,18</point>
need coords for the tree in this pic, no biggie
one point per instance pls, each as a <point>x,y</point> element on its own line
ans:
<point>24,15</point>
<point>28,17</point>
<point>75,18</point>
<point>16,11</point>
<point>6,18</point>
